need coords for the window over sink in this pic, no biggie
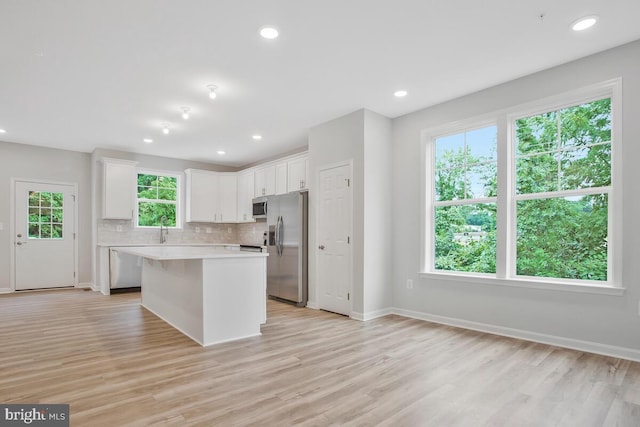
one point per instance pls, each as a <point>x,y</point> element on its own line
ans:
<point>158,196</point>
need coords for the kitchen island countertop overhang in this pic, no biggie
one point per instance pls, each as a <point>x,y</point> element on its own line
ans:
<point>210,294</point>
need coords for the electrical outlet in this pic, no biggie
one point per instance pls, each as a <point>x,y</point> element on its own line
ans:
<point>197,229</point>
<point>409,284</point>
<point>229,230</point>
<point>119,228</point>
<point>209,230</point>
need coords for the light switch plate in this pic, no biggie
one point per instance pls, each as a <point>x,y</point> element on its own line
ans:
<point>209,229</point>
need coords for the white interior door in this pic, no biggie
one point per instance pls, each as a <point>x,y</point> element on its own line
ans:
<point>333,239</point>
<point>44,235</point>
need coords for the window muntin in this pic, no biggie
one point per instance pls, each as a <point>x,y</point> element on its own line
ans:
<point>46,214</point>
<point>157,197</point>
<point>464,210</point>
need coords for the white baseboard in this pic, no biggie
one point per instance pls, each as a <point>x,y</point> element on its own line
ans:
<point>85,285</point>
<point>5,290</point>
<point>587,346</point>
<point>371,314</point>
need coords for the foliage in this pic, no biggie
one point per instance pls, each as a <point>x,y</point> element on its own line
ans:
<point>560,237</point>
<point>157,197</point>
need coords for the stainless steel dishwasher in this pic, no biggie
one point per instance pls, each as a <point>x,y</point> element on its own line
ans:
<point>125,270</point>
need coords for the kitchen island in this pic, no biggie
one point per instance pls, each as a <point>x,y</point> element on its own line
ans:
<point>210,294</point>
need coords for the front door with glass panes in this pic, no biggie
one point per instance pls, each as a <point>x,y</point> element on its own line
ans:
<point>44,235</point>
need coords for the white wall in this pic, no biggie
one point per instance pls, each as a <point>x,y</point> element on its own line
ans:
<point>27,161</point>
<point>336,141</point>
<point>364,138</point>
<point>378,177</point>
<point>608,320</point>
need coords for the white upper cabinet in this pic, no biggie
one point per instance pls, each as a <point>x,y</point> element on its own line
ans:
<point>298,174</point>
<point>201,195</point>
<point>227,198</point>
<point>118,188</point>
<point>245,196</point>
<point>265,181</point>
<point>281,178</point>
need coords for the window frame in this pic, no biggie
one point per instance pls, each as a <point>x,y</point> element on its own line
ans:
<point>178,201</point>
<point>506,248</point>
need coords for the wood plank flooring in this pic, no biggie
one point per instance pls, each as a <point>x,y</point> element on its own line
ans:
<point>118,365</point>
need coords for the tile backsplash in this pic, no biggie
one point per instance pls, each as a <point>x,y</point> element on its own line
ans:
<point>120,232</point>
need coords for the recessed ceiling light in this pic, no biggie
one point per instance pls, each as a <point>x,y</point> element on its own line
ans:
<point>222,153</point>
<point>269,32</point>
<point>165,128</point>
<point>185,113</point>
<point>400,93</point>
<point>212,91</point>
<point>148,140</point>
<point>257,137</point>
<point>584,23</point>
<point>3,131</point>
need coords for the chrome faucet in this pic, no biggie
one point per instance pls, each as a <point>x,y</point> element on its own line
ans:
<point>164,231</point>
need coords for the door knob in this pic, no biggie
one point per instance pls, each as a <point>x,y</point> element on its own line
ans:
<point>321,247</point>
<point>19,243</point>
<point>19,235</point>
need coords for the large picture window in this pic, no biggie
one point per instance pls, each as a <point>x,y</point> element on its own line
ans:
<point>536,206</point>
<point>157,199</point>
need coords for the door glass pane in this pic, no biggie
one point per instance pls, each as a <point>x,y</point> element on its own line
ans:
<point>45,215</point>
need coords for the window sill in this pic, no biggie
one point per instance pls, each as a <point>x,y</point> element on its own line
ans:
<point>527,283</point>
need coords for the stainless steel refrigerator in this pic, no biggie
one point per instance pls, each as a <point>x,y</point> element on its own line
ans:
<point>287,246</point>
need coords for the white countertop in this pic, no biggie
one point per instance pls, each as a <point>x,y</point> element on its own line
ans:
<point>174,252</point>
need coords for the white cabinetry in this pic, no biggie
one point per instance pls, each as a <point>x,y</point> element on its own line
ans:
<point>281,178</point>
<point>211,196</point>
<point>265,181</point>
<point>201,198</point>
<point>298,174</point>
<point>118,188</point>
<point>227,198</point>
<point>245,196</point>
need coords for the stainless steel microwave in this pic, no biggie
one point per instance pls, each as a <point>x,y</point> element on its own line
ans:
<point>260,207</point>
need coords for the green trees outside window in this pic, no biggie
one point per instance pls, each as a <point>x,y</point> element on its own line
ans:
<point>157,197</point>
<point>562,181</point>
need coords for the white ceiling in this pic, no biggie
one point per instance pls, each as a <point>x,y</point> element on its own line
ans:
<point>83,74</point>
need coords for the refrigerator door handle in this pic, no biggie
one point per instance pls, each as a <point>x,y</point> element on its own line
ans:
<point>277,236</point>
<point>280,237</point>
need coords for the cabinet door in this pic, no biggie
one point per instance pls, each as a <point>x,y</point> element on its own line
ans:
<point>259,183</point>
<point>118,190</point>
<point>227,198</point>
<point>297,174</point>
<point>281,178</point>
<point>245,197</point>
<point>202,196</point>
<point>270,180</point>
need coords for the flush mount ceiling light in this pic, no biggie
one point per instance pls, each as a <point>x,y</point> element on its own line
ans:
<point>212,91</point>
<point>3,131</point>
<point>148,140</point>
<point>222,153</point>
<point>257,137</point>
<point>165,128</point>
<point>269,32</point>
<point>185,113</point>
<point>584,23</point>
<point>400,93</point>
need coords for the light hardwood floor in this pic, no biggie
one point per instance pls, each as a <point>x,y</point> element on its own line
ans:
<point>117,365</point>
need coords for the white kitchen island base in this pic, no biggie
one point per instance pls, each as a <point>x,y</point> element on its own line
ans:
<point>211,299</point>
